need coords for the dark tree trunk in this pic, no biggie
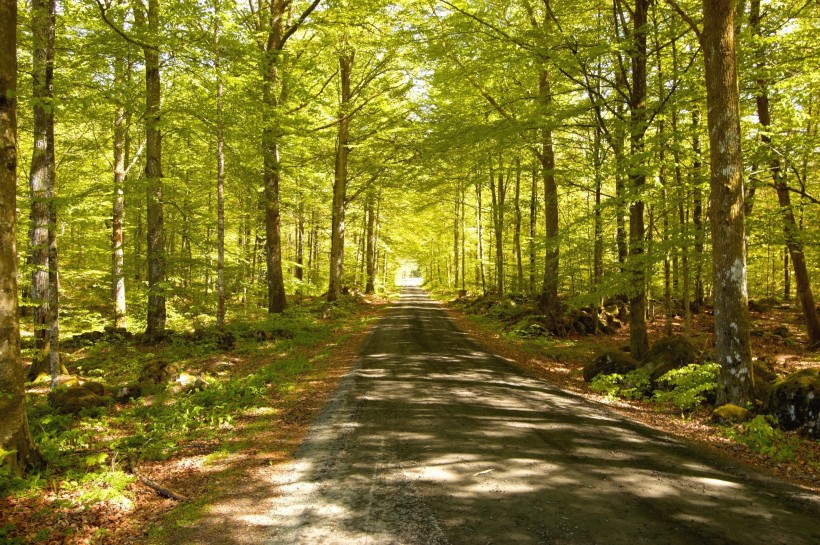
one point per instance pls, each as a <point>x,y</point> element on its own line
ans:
<point>153,175</point>
<point>337,231</point>
<point>14,431</point>
<point>732,349</point>
<point>549,291</point>
<point>639,341</point>
<point>519,265</point>
<point>533,227</point>
<point>498,194</point>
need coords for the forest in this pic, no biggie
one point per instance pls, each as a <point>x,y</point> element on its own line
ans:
<point>200,172</point>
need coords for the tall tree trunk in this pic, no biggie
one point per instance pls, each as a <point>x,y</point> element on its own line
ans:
<point>337,232</point>
<point>42,179</point>
<point>498,194</point>
<point>790,227</point>
<point>598,159</point>
<point>456,232</point>
<point>549,291</point>
<point>370,284</point>
<point>220,177</point>
<point>699,297</point>
<point>480,235</point>
<point>519,265</point>
<point>15,438</point>
<point>732,348</point>
<point>153,174</point>
<point>299,269</point>
<point>639,341</point>
<point>533,227</point>
<point>118,212</point>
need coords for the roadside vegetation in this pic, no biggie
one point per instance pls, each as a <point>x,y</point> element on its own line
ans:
<point>155,420</point>
<point>680,400</point>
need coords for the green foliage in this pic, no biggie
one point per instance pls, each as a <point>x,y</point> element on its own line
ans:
<point>633,385</point>
<point>689,385</point>
<point>762,435</point>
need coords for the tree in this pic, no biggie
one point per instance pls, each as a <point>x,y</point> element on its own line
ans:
<point>17,450</point>
<point>44,289</point>
<point>732,348</point>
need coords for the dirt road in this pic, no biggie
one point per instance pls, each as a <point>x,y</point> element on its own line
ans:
<point>432,440</point>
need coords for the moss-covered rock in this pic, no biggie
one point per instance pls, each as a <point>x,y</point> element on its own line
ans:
<point>730,414</point>
<point>795,402</point>
<point>667,354</point>
<point>73,398</point>
<point>609,362</point>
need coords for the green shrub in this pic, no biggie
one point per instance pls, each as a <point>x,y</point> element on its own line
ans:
<point>689,385</point>
<point>762,435</point>
<point>633,385</point>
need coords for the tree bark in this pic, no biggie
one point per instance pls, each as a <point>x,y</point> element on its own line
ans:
<point>639,341</point>
<point>41,179</point>
<point>118,211</point>
<point>220,178</point>
<point>732,348</point>
<point>155,326</point>
<point>533,227</point>
<point>337,231</point>
<point>498,194</point>
<point>15,437</point>
<point>519,265</point>
<point>370,284</point>
<point>549,291</point>
<point>791,230</point>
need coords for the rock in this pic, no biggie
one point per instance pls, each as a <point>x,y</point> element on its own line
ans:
<point>607,363</point>
<point>667,354</point>
<point>97,388</point>
<point>74,398</point>
<point>730,414</point>
<point>795,402</point>
<point>186,382</point>
<point>156,371</point>
<point>126,393</point>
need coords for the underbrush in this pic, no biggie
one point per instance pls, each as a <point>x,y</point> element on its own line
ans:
<point>90,455</point>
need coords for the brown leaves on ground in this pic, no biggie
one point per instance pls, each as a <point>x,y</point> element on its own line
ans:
<point>56,517</point>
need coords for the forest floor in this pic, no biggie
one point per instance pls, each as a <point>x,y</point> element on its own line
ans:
<point>205,443</point>
<point>778,338</point>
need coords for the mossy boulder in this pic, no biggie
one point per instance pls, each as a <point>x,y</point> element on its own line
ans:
<point>730,414</point>
<point>668,354</point>
<point>72,398</point>
<point>765,377</point>
<point>157,371</point>
<point>795,402</point>
<point>609,362</point>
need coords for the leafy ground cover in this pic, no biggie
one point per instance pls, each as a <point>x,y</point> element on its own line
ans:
<point>683,409</point>
<point>252,405</point>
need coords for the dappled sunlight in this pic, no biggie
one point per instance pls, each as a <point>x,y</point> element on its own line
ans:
<point>457,442</point>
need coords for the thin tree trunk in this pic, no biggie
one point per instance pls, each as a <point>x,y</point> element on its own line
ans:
<point>456,232</point>
<point>480,235</point>
<point>299,269</point>
<point>732,348</point>
<point>118,213</point>
<point>533,227</point>
<point>15,437</point>
<point>337,232</point>
<point>498,194</point>
<point>598,258</point>
<point>519,285</point>
<point>370,284</point>
<point>790,227</point>
<point>220,177</point>
<point>697,213</point>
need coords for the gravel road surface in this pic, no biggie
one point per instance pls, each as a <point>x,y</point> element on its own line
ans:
<point>431,440</point>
